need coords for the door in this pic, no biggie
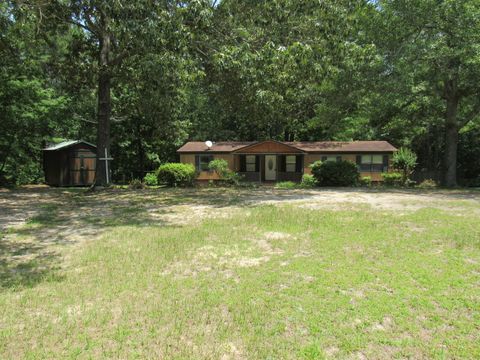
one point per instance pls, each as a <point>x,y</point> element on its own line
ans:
<point>270,167</point>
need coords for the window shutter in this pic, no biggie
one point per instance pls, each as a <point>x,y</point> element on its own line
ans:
<point>385,163</point>
<point>324,158</point>
<point>359,159</point>
<point>339,158</point>
<point>283,163</point>
<point>243,163</point>
<point>257,163</point>
<point>197,162</point>
<point>298,163</point>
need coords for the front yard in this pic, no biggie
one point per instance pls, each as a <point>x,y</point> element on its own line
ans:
<point>239,274</point>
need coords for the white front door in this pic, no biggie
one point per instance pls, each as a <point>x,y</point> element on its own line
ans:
<point>270,167</point>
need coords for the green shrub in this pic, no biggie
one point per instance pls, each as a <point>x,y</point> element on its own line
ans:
<point>308,181</point>
<point>286,185</point>
<point>176,174</point>
<point>150,179</point>
<point>227,176</point>
<point>392,179</point>
<point>220,166</point>
<point>335,173</point>
<point>315,167</point>
<point>136,184</point>
<point>366,181</point>
<point>428,184</point>
<point>404,160</point>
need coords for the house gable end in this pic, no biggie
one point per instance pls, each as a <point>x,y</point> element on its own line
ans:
<point>269,146</point>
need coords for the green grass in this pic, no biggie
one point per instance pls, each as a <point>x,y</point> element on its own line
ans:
<point>269,282</point>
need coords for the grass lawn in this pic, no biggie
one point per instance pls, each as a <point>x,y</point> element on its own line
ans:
<point>179,274</point>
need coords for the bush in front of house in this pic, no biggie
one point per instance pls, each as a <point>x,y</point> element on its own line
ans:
<point>286,185</point>
<point>227,176</point>
<point>308,181</point>
<point>335,173</point>
<point>220,166</point>
<point>427,184</point>
<point>405,161</point>
<point>392,179</point>
<point>366,181</point>
<point>150,179</point>
<point>176,174</point>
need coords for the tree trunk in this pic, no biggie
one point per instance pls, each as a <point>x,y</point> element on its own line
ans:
<point>451,142</point>
<point>104,107</point>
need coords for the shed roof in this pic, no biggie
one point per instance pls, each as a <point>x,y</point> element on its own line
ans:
<point>306,146</point>
<point>66,144</point>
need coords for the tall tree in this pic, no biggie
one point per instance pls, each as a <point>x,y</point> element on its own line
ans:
<point>115,31</point>
<point>30,104</point>
<point>432,49</point>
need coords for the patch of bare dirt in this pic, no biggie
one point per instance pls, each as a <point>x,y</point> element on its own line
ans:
<point>57,217</point>
<point>342,199</point>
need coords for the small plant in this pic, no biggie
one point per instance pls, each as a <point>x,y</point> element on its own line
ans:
<point>136,184</point>
<point>308,181</point>
<point>315,167</point>
<point>392,179</point>
<point>220,166</point>
<point>176,174</point>
<point>150,179</point>
<point>405,161</point>
<point>286,185</point>
<point>339,173</point>
<point>428,184</point>
<point>366,181</point>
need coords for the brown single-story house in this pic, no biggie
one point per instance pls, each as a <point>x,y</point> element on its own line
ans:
<point>283,161</point>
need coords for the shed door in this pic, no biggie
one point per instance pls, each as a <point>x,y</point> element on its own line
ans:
<point>82,168</point>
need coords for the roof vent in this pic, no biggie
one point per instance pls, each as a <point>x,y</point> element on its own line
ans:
<point>208,143</point>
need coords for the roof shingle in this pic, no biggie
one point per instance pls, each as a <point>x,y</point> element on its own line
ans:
<point>306,146</point>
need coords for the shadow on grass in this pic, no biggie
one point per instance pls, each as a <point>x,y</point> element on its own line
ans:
<point>29,253</point>
<point>26,264</point>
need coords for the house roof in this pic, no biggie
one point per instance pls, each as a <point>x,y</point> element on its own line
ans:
<point>304,146</point>
<point>66,144</point>
<point>221,146</point>
<point>344,146</point>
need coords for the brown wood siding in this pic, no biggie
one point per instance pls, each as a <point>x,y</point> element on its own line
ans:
<point>269,147</point>
<point>208,175</point>
<point>71,166</point>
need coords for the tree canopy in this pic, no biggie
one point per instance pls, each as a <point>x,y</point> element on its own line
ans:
<point>142,77</point>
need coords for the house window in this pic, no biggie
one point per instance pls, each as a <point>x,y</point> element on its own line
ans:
<point>290,163</point>
<point>331,158</point>
<point>371,163</point>
<point>250,163</point>
<point>202,162</point>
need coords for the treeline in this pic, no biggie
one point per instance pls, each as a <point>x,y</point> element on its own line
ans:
<point>142,77</point>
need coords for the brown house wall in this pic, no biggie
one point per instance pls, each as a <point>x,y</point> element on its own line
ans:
<point>311,158</point>
<point>234,164</point>
<point>210,175</point>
